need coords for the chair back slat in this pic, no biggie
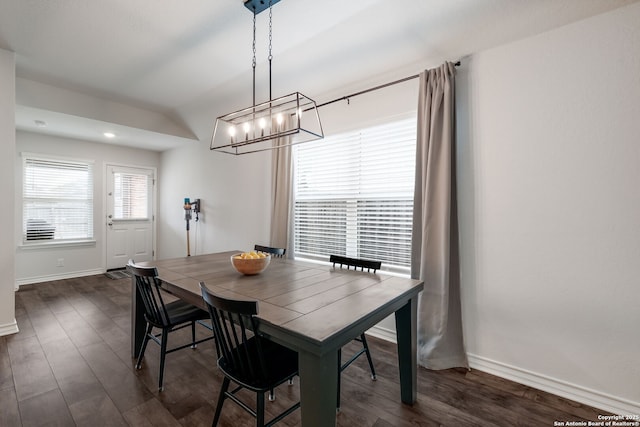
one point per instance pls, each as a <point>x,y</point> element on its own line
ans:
<point>237,341</point>
<point>275,252</point>
<point>355,263</point>
<point>235,354</point>
<point>149,287</point>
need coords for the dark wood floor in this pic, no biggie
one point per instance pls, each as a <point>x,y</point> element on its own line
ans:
<point>70,365</point>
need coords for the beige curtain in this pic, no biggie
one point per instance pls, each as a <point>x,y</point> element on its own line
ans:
<point>281,181</point>
<point>435,234</point>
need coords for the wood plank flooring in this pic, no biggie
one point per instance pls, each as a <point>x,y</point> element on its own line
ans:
<point>70,366</point>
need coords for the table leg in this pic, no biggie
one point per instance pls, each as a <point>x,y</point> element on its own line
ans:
<point>137,320</point>
<point>406,334</point>
<point>318,387</point>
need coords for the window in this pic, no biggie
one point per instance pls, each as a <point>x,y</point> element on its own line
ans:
<point>57,200</point>
<point>353,195</point>
<point>130,196</point>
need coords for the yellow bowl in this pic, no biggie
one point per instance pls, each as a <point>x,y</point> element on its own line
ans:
<point>250,266</point>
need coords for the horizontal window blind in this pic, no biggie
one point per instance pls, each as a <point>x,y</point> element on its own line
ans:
<point>130,196</point>
<point>57,199</point>
<point>353,195</point>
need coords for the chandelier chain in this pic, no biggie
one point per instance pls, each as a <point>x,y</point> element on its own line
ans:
<point>253,62</point>
<point>270,30</point>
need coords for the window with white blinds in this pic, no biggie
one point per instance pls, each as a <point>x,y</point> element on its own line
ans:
<point>57,199</point>
<point>130,196</point>
<point>353,195</point>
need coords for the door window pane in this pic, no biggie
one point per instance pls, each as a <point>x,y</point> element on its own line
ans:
<point>130,196</point>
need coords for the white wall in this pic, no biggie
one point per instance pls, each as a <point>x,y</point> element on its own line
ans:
<point>549,173</point>
<point>7,152</point>
<point>35,265</point>
<point>235,196</point>
<point>372,108</point>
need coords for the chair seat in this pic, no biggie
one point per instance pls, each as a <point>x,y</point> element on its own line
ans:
<point>180,312</point>
<point>280,363</point>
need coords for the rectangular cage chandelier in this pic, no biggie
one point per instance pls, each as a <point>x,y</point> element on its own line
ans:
<point>274,124</point>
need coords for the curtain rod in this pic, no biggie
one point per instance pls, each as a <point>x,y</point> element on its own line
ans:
<point>382,86</point>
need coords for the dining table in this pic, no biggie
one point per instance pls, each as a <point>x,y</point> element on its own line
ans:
<point>312,308</point>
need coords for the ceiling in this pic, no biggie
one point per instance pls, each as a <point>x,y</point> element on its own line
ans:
<point>157,72</point>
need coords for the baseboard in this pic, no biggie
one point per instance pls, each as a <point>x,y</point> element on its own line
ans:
<point>561,388</point>
<point>538,381</point>
<point>51,277</point>
<point>383,333</point>
<point>9,328</point>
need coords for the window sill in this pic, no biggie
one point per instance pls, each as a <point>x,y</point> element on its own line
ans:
<point>54,244</point>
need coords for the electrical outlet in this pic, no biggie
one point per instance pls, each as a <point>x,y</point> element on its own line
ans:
<point>60,262</point>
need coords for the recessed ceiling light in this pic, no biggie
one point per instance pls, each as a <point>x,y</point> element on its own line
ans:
<point>109,135</point>
<point>40,123</point>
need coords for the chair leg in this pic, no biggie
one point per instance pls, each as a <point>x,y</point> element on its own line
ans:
<point>260,410</point>
<point>221,397</point>
<point>272,395</point>
<point>368,353</point>
<point>163,354</point>
<point>145,341</point>
<point>193,334</point>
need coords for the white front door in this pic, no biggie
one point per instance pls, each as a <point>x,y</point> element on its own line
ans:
<point>130,231</point>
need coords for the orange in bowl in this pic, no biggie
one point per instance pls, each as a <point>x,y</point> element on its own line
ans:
<point>249,263</point>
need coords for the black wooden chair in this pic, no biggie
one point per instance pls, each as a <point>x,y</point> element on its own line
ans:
<point>245,357</point>
<point>372,267</point>
<point>168,317</point>
<point>356,263</point>
<point>275,252</point>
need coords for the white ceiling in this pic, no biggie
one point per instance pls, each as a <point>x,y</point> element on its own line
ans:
<point>158,72</point>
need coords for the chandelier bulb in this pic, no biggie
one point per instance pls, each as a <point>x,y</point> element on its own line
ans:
<point>232,132</point>
<point>246,127</point>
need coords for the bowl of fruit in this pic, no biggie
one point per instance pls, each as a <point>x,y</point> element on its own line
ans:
<point>249,263</point>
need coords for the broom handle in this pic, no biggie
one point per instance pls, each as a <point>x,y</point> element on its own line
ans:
<point>188,242</point>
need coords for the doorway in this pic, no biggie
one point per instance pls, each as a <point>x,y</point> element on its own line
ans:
<point>130,215</point>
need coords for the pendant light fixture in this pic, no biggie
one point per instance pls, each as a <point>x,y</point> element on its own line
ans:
<point>276,123</point>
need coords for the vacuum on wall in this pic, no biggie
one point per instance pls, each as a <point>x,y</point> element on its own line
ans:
<point>189,207</point>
